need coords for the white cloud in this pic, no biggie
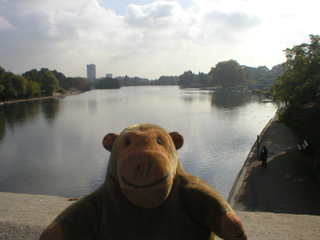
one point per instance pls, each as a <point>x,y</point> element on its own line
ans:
<point>154,38</point>
<point>4,23</point>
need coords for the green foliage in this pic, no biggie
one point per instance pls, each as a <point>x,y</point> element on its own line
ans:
<point>203,79</point>
<point>48,83</point>
<point>299,82</point>
<point>31,75</point>
<point>73,83</point>
<point>8,92</point>
<point>108,83</point>
<point>31,84</point>
<point>59,76</point>
<point>166,80</point>
<point>300,86</point>
<point>227,74</point>
<point>188,79</point>
<point>33,89</point>
<point>135,81</point>
<point>2,75</point>
<point>126,81</point>
<point>12,86</point>
<point>61,91</point>
<point>20,85</point>
<point>262,75</point>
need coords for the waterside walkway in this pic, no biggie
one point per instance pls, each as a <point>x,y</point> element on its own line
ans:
<point>286,186</point>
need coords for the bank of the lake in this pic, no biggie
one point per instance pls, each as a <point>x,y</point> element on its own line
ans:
<point>55,95</point>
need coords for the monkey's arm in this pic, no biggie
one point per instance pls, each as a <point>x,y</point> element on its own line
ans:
<point>210,209</point>
<point>79,221</point>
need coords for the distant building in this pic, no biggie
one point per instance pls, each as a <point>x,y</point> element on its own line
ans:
<point>91,71</point>
<point>109,75</point>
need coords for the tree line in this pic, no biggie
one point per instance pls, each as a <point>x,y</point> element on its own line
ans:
<point>230,74</point>
<point>137,81</point>
<point>45,82</point>
<point>225,74</point>
<point>34,83</point>
<point>299,87</point>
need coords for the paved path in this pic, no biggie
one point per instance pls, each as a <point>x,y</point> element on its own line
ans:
<point>286,186</point>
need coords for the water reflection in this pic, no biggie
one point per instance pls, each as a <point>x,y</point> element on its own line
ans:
<point>50,108</point>
<point>20,113</point>
<point>191,96</point>
<point>93,106</point>
<point>227,99</point>
<point>2,126</point>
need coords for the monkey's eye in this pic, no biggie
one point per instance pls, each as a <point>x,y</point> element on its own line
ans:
<point>159,141</point>
<point>127,143</point>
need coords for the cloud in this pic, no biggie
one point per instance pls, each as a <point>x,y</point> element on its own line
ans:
<point>156,14</point>
<point>228,27</point>
<point>154,38</point>
<point>4,23</point>
<point>235,21</point>
<point>57,32</point>
<point>161,20</point>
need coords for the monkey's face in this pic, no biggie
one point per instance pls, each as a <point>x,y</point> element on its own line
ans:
<point>146,163</point>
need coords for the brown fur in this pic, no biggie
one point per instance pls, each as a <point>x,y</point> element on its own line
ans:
<point>147,195</point>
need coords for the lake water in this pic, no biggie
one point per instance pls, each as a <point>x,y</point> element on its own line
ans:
<point>54,146</point>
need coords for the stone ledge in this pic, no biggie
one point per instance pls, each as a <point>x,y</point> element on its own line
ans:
<point>24,216</point>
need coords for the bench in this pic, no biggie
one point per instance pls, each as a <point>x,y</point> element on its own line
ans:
<point>303,146</point>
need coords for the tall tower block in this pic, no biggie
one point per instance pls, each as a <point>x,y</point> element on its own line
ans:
<point>91,71</point>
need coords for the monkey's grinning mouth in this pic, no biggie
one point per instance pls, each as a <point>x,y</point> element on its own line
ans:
<point>145,186</point>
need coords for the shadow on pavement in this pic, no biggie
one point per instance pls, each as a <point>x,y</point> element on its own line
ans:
<point>286,186</point>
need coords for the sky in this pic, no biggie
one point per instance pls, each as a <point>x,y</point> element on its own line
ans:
<point>150,39</point>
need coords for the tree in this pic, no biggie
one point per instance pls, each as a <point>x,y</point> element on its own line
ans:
<point>31,75</point>
<point>300,86</point>
<point>59,76</point>
<point>2,75</point>
<point>188,79</point>
<point>165,80</point>
<point>203,79</point>
<point>33,89</point>
<point>48,82</point>
<point>8,92</point>
<point>228,73</point>
<point>126,81</point>
<point>276,71</point>
<point>301,73</point>
<point>13,86</point>
<point>77,83</point>
<point>108,83</point>
<point>1,88</point>
<point>61,91</point>
<point>135,81</point>
<point>20,85</point>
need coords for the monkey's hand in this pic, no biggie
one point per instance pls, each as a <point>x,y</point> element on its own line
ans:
<point>231,227</point>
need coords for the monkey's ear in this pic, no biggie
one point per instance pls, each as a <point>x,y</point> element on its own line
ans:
<point>177,139</point>
<point>109,140</point>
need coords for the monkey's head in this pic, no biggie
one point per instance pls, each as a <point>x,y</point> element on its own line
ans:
<point>144,161</point>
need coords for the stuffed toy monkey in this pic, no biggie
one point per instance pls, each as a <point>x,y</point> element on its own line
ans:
<point>147,195</point>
